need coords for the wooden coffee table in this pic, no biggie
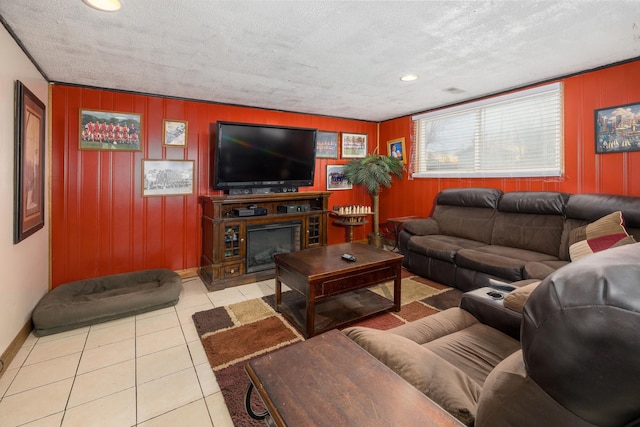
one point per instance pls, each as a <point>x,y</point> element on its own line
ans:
<point>331,381</point>
<point>330,292</point>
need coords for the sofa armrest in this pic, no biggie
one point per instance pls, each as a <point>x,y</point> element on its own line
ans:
<point>491,310</point>
<point>515,300</point>
<point>422,227</point>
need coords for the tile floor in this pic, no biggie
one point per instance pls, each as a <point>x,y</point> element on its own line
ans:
<point>146,370</point>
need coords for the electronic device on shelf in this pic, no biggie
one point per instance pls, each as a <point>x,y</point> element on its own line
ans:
<point>261,159</point>
<point>250,211</point>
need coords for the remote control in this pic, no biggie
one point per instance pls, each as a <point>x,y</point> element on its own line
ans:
<point>348,257</point>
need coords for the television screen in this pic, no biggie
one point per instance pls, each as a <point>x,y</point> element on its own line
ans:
<point>262,156</point>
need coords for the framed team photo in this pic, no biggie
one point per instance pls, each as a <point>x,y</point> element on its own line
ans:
<point>167,177</point>
<point>354,145</point>
<point>327,145</point>
<point>110,130</point>
<point>336,179</point>
<point>174,133</point>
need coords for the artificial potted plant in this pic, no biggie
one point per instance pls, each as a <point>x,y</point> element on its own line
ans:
<point>374,172</point>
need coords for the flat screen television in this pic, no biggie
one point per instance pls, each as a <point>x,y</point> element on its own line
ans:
<point>252,159</point>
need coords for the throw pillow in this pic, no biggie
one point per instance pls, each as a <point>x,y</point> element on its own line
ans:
<point>598,236</point>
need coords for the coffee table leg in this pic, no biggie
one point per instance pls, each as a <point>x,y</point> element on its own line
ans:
<point>311,321</point>
<point>278,292</point>
<point>397,287</point>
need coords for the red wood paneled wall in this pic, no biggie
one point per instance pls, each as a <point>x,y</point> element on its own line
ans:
<point>585,172</point>
<point>101,224</point>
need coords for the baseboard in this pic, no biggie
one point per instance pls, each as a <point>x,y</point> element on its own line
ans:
<point>14,347</point>
<point>189,272</point>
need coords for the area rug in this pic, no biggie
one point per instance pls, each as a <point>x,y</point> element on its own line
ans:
<point>234,334</point>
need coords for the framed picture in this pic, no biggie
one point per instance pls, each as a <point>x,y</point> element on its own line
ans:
<point>167,177</point>
<point>29,164</point>
<point>327,145</point>
<point>110,130</point>
<point>354,145</point>
<point>617,129</point>
<point>395,148</point>
<point>336,179</point>
<point>174,133</point>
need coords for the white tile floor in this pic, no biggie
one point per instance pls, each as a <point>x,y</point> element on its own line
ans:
<point>146,370</point>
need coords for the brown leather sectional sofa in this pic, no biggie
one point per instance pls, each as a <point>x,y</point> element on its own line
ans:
<point>575,365</point>
<point>477,234</point>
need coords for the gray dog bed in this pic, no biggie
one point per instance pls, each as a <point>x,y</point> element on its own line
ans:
<point>86,302</point>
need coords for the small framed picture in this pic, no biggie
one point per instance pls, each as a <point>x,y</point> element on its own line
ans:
<point>354,145</point>
<point>336,179</point>
<point>396,149</point>
<point>174,133</point>
<point>167,177</point>
<point>29,189</point>
<point>327,145</point>
<point>110,130</point>
<point>617,129</point>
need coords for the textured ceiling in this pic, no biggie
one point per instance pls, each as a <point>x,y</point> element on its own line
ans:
<point>336,58</point>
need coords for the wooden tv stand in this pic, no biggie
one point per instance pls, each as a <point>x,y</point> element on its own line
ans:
<point>223,261</point>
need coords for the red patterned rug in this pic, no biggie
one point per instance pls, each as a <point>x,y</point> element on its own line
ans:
<point>236,333</point>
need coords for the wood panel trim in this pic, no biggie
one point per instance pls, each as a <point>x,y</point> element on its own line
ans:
<point>14,347</point>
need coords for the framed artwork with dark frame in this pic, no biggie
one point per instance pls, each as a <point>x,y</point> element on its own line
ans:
<point>617,129</point>
<point>174,133</point>
<point>110,130</point>
<point>167,177</point>
<point>336,179</point>
<point>395,148</point>
<point>327,145</point>
<point>354,145</point>
<point>29,162</point>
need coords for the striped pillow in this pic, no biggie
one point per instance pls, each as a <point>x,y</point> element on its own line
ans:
<point>602,234</point>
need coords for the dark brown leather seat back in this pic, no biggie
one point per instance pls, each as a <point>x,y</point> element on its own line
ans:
<point>581,337</point>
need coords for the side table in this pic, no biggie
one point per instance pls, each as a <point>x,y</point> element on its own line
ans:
<point>349,221</point>
<point>394,226</point>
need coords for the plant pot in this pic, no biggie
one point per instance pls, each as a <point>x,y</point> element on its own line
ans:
<point>376,240</point>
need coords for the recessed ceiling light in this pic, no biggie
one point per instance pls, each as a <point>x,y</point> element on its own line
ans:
<point>105,5</point>
<point>409,77</point>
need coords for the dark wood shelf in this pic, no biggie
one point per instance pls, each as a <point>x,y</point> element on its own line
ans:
<point>224,234</point>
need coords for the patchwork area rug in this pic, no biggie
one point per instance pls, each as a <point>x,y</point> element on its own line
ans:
<point>234,334</point>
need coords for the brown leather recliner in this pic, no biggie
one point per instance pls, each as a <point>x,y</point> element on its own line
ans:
<point>578,365</point>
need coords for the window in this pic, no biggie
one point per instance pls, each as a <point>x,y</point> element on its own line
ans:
<point>515,135</point>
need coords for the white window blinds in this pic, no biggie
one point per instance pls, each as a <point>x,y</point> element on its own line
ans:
<point>519,134</point>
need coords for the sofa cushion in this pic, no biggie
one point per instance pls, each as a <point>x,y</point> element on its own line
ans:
<point>534,202</point>
<point>598,236</point>
<point>421,227</point>
<point>466,222</point>
<point>475,350</point>
<point>500,261</point>
<point>439,246</point>
<point>438,379</point>
<point>538,233</point>
<point>541,269</point>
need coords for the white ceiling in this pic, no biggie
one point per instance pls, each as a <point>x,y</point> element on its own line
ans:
<point>335,58</point>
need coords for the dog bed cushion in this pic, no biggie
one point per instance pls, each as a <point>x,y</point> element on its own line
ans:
<point>101,299</point>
